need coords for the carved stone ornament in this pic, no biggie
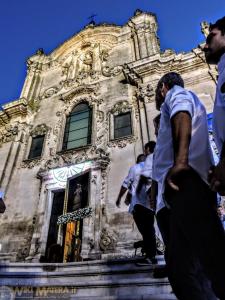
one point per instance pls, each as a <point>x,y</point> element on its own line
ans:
<point>31,163</point>
<point>111,72</point>
<point>82,91</point>
<point>71,157</point>
<point>123,142</point>
<point>107,240</point>
<point>8,133</point>
<point>146,93</point>
<point>34,105</point>
<point>120,107</point>
<point>83,66</point>
<point>41,129</point>
<point>205,28</point>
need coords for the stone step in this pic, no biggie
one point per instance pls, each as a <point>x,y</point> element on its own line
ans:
<point>114,279</point>
<point>130,297</point>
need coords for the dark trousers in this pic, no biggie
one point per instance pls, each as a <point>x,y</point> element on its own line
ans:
<point>196,235</point>
<point>163,221</point>
<point>144,219</point>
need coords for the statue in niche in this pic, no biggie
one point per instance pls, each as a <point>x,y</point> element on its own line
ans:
<point>77,197</point>
<point>69,69</point>
<point>89,62</point>
<point>85,62</point>
<point>205,28</point>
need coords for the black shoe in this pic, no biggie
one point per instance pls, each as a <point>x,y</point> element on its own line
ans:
<point>154,261</point>
<point>161,272</point>
<point>147,261</point>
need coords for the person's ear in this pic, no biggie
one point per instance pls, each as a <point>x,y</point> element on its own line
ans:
<point>164,90</point>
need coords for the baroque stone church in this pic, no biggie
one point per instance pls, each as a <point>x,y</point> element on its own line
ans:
<point>83,116</point>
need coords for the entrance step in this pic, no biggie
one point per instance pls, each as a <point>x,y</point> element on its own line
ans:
<point>116,279</point>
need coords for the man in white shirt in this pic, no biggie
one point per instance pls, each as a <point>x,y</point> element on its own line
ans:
<point>131,181</point>
<point>143,214</point>
<point>182,159</point>
<point>215,54</point>
<point>140,206</point>
<point>2,204</point>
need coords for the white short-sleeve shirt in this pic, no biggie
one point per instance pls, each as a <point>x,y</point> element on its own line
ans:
<point>200,154</point>
<point>2,194</point>
<point>131,182</point>
<point>219,107</point>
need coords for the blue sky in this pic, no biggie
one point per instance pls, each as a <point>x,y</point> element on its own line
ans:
<point>26,25</point>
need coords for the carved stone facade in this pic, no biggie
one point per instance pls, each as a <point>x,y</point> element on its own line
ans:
<point>113,69</point>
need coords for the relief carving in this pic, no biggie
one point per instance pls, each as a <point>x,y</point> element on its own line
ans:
<point>108,240</point>
<point>84,90</point>
<point>120,107</point>
<point>83,67</point>
<point>102,130</point>
<point>205,28</point>
<point>31,163</point>
<point>71,157</point>
<point>111,72</point>
<point>41,129</point>
<point>146,93</point>
<point>34,105</point>
<point>123,142</point>
<point>8,133</point>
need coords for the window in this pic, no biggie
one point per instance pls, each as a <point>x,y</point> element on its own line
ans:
<point>122,125</point>
<point>78,127</point>
<point>36,146</point>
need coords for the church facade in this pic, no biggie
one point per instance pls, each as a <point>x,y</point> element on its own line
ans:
<point>83,116</point>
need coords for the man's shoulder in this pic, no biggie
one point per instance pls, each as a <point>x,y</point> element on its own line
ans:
<point>177,92</point>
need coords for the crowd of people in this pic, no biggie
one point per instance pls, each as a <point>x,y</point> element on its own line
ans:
<point>177,182</point>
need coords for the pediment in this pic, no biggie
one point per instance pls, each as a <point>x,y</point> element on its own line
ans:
<point>84,59</point>
<point>104,35</point>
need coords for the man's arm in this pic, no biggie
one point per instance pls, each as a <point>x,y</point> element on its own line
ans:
<point>121,193</point>
<point>217,175</point>
<point>181,133</point>
<point>2,204</point>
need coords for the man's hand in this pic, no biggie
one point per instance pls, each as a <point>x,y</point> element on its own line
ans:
<point>121,193</point>
<point>174,173</point>
<point>216,178</point>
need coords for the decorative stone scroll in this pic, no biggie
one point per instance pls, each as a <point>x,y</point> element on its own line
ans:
<point>8,133</point>
<point>31,163</point>
<point>41,129</point>
<point>146,93</point>
<point>121,107</point>
<point>111,72</point>
<point>107,240</point>
<point>123,142</point>
<point>205,28</point>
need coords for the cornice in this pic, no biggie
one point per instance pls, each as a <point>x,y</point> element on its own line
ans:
<point>15,108</point>
<point>166,62</point>
<point>4,118</point>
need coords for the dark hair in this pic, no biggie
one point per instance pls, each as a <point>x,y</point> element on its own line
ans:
<point>151,146</point>
<point>170,80</point>
<point>156,120</point>
<point>139,157</point>
<point>220,24</point>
